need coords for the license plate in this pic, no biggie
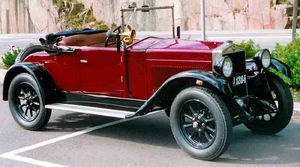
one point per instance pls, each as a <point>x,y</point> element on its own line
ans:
<point>239,80</point>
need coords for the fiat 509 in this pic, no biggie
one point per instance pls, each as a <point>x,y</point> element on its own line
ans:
<point>205,87</point>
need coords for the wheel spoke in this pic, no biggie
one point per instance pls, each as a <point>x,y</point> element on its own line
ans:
<point>191,135</point>
<point>210,129</point>
<point>22,92</point>
<point>187,125</point>
<point>33,108</point>
<point>34,97</point>
<point>207,136</point>
<point>188,116</point>
<point>200,134</point>
<point>21,106</point>
<point>21,97</point>
<point>192,109</point>
<point>208,119</point>
<point>263,117</point>
<point>30,111</point>
<point>26,110</point>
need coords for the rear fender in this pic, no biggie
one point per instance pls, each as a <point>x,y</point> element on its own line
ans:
<point>39,73</point>
<point>164,96</point>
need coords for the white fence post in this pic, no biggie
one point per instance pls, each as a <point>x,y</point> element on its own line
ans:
<point>202,19</point>
<point>295,16</point>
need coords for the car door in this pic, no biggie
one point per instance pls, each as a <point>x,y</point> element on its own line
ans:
<point>102,71</point>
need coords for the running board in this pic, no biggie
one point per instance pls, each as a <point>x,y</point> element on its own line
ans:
<point>89,110</point>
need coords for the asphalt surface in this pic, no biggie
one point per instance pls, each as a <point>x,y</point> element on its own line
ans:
<point>73,139</point>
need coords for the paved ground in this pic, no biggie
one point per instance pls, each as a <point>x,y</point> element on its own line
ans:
<point>142,142</point>
<point>73,139</point>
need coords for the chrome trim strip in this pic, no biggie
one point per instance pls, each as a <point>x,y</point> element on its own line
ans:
<point>88,110</point>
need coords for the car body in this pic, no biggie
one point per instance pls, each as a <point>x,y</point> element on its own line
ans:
<point>205,87</point>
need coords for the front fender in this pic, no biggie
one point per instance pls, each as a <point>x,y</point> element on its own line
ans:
<point>39,73</point>
<point>282,67</point>
<point>171,87</point>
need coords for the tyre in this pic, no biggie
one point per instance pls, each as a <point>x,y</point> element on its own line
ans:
<point>267,121</point>
<point>28,51</point>
<point>201,123</point>
<point>27,102</point>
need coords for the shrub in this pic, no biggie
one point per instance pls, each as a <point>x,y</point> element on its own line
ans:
<point>250,47</point>
<point>290,54</point>
<point>8,59</point>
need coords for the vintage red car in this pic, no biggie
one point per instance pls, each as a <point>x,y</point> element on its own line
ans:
<point>205,87</point>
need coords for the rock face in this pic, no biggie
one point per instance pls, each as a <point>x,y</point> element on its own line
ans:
<point>27,16</point>
<point>31,16</point>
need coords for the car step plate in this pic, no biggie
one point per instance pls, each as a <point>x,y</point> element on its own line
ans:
<point>89,110</point>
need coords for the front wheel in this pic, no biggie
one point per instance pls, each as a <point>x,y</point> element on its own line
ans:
<point>27,102</point>
<point>201,123</point>
<point>267,120</point>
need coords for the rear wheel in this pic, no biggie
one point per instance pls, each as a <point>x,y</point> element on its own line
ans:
<point>201,123</point>
<point>27,102</point>
<point>268,120</point>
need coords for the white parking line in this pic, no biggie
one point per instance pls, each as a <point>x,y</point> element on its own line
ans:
<point>31,161</point>
<point>12,154</point>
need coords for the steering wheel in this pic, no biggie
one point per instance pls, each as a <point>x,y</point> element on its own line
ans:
<point>114,32</point>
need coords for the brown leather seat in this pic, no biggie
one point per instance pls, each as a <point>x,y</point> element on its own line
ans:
<point>95,40</point>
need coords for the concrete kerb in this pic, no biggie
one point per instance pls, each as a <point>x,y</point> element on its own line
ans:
<point>3,72</point>
<point>2,75</point>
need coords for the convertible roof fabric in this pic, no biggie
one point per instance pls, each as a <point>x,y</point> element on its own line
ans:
<point>52,36</point>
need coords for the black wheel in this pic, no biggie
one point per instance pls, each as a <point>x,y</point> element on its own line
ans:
<point>267,120</point>
<point>28,51</point>
<point>201,123</point>
<point>27,102</point>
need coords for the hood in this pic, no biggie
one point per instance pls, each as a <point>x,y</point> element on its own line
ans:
<point>173,44</point>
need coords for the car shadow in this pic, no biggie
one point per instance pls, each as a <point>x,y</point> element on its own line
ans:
<point>245,148</point>
<point>250,148</point>
<point>72,122</point>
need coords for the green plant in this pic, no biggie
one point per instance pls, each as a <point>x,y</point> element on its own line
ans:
<point>250,47</point>
<point>290,54</point>
<point>101,26</point>
<point>74,15</point>
<point>8,59</point>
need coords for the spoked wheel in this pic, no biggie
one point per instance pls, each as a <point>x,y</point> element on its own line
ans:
<point>26,102</point>
<point>198,124</point>
<point>201,123</point>
<point>275,110</point>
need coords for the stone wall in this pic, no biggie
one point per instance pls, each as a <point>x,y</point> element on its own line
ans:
<point>29,16</point>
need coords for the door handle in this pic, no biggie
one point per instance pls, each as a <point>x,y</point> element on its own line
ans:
<point>83,61</point>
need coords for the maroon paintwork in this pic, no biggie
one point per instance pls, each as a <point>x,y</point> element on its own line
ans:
<point>135,73</point>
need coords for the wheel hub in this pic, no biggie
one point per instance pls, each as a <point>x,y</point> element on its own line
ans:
<point>198,124</point>
<point>27,103</point>
<point>195,124</point>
